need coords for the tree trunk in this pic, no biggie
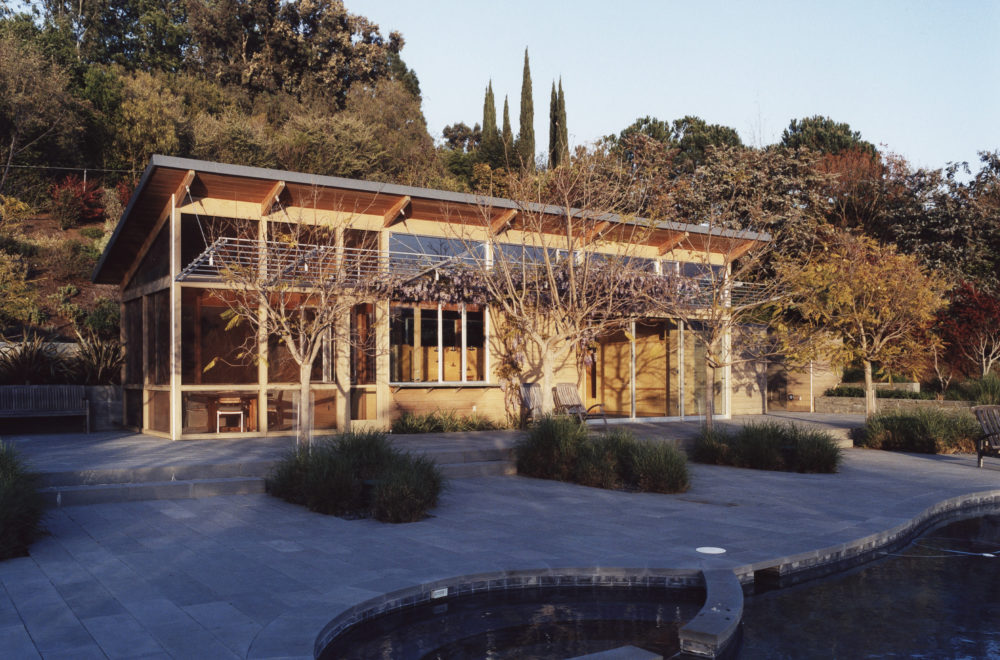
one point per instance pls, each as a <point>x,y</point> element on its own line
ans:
<point>548,402</point>
<point>709,394</point>
<point>7,165</point>
<point>303,438</point>
<point>871,403</point>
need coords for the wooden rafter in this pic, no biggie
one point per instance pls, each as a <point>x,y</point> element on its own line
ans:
<point>675,239</point>
<point>393,213</point>
<point>500,223</point>
<point>595,231</point>
<point>271,197</point>
<point>179,195</point>
<point>741,249</point>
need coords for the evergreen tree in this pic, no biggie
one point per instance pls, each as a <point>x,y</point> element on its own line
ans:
<point>507,135</point>
<point>526,136</point>
<point>553,127</point>
<point>489,116</point>
<point>562,145</point>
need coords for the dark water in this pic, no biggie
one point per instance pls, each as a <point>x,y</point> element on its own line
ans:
<point>524,624</point>
<point>930,601</point>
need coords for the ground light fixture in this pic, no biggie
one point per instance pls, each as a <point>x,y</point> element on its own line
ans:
<point>710,550</point>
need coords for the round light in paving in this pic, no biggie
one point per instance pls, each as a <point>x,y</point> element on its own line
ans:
<point>711,550</point>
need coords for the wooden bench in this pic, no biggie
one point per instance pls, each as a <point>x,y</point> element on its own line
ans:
<point>44,401</point>
<point>989,420</point>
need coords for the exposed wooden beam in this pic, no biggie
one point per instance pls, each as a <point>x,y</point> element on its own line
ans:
<point>500,223</point>
<point>271,197</point>
<point>161,220</point>
<point>741,249</point>
<point>393,213</point>
<point>675,239</point>
<point>595,231</point>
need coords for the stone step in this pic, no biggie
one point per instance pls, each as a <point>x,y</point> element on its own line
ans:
<point>56,496</point>
<point>166,473</point>
<point>478,469</point>
<point>447,456</point>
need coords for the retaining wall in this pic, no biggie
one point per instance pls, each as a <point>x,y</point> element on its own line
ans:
<point>850,405</point>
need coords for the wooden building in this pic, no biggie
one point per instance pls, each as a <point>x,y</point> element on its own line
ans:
<point>181,379</point>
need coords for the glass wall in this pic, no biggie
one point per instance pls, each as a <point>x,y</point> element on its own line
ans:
<point>695,378</point>
<point>431,343</point>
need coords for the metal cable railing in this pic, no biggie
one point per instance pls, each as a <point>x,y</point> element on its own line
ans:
<point>308,265</point>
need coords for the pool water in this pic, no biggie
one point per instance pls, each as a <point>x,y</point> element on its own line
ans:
<point>525,624</point>
<point>937,598</point>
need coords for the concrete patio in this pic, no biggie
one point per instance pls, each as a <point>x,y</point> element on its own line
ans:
<point>252,576</point>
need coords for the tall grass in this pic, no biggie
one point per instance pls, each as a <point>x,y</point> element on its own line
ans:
<point>21,506</point>
<point>559,447</point>
<point>358,474</point>
<point>926,431</point>
<point>770,446</point>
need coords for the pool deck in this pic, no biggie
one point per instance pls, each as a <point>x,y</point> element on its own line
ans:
<point>252,576</point>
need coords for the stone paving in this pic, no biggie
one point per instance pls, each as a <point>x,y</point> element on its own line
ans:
<point>252,576</point>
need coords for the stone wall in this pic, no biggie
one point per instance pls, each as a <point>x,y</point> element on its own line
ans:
<point>906,387</point>
<point>849,405</point>
<point>105,407</point>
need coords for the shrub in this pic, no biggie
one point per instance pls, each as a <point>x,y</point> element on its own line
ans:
<point>21,506</point>
<point>407,490</point>
<point>93,233</point>
<point>16,243</point>
<point>358,474</point>
<point>659,468</point>
<point>13,211</point>
<point>770,446</point>
<point>74,201</point>
<point>985,391</point>
<point>104,320</point>
<point>850,391</point>
<point>31,361</point>
<point>443,422</point>
<point>550,448</point>
<point>98,360</point>
<point>559,448</point>
<point>18,299</point>
<point>71,260</point>
<point>927,431</point>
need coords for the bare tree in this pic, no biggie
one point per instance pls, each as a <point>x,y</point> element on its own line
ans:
<point>296,279</point>
<point>560,260</point>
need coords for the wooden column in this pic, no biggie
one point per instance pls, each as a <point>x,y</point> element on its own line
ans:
<point>382,392</point>
<point>176,400</point>
<point>262,356</point>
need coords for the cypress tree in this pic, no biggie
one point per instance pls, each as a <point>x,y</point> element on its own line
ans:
<point>507,136</point>
<point>563,143</point>
<point>489,115</point>
<point>526,135</point>
<point>553,127</point>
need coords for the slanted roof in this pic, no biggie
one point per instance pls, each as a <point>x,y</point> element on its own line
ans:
<point>166,175</point>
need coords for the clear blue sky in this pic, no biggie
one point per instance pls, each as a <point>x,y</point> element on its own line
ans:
<point>921,78</point>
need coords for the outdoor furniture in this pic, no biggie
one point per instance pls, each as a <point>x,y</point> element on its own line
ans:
<point>568,402</point>
<point>45,401</point>
<point>989,444</point>
<point>531,402</point>
<point>229,407</point>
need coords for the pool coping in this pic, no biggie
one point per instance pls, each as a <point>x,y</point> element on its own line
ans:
<point>709,634</point>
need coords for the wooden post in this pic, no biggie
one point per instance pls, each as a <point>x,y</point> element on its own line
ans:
<point>176,398</point>
<point>382,391</point>
<point>262,356</point>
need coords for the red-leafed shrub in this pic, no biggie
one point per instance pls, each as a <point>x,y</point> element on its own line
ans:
<point>970,328</point>
<point>75,201</point>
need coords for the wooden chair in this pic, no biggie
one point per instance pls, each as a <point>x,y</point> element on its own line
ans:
<point>989,420</point>
<point>531,402</point>
<point>567,400</point>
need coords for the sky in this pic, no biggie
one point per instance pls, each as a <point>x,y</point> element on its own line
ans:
<point>917,78</point>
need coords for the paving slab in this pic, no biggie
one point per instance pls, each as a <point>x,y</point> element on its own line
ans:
<point>252,576</point>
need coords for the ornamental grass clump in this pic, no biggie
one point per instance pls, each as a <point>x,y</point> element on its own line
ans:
<point>559,447</point>
<point>21,506</point>
<point>926,431</point>
<point>358,475</point>
<point>769,446</point>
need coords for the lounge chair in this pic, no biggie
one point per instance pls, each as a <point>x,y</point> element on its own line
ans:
<point>989,420</point>
<point>567,399</point>
<point>531,402</point>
